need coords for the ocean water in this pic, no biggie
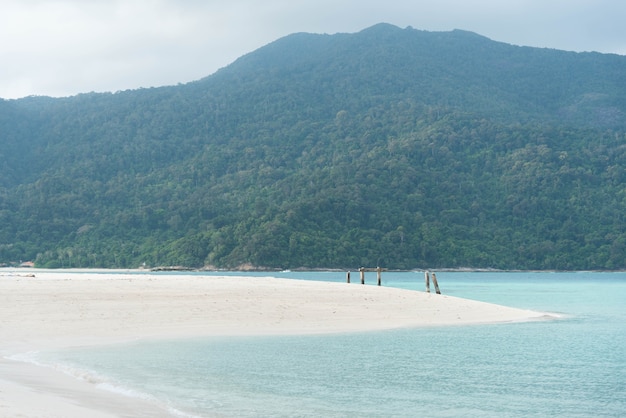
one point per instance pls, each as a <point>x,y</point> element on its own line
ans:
<point>572,367</point>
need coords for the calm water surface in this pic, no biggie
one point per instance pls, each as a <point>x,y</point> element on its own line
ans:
<point>573,367</point>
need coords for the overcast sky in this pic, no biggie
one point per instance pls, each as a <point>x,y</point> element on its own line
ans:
<point>65,47</point>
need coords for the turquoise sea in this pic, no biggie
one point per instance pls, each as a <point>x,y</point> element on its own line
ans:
<point>571,367</point>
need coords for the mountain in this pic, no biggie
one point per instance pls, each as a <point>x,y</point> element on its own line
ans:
<point>453,69</point>
<point>393,147</point>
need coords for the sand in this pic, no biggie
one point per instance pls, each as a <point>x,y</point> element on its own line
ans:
<point>55,310</point>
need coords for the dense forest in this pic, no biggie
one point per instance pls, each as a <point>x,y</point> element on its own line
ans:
<point>389,147</point>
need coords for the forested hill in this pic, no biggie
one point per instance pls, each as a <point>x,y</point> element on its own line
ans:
<point>390,147</point>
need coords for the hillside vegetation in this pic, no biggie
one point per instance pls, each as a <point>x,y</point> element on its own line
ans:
<point>389,147</point>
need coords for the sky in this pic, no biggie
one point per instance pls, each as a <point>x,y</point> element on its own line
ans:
<point>65,47</point>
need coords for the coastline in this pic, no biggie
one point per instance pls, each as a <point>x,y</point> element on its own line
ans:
<point>55,310</point>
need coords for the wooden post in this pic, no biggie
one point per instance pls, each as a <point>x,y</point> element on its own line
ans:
<point>436,284</point>
<point>378,270</point>
<point>362,271</point>
<point>348,277</point>
<point>427,280</point>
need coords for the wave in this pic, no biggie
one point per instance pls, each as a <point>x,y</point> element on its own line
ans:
<point>98,380</point>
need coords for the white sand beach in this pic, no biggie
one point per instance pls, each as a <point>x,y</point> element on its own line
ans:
<point>65,309</point>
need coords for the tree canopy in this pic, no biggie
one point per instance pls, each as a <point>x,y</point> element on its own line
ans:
<point>390,147</point>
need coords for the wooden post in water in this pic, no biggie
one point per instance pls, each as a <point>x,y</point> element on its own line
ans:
<point>362,271</point>
<point>436,284</point>
<point>378,270</point>
<point>427,280</point>
<point>348,277</point>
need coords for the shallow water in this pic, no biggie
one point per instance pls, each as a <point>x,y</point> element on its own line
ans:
<point>573,367</point>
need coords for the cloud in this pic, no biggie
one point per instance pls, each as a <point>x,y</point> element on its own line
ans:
<point>64,47</point>
<point>99,45</point>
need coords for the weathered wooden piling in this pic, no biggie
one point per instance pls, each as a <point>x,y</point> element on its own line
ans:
<point>427,280</point>
<point>436,284</point>
<point>362,271</point>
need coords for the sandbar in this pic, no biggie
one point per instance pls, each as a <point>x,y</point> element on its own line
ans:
<point>42,310</point>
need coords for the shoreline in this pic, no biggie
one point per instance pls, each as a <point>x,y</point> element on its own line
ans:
<point>56,310</point>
